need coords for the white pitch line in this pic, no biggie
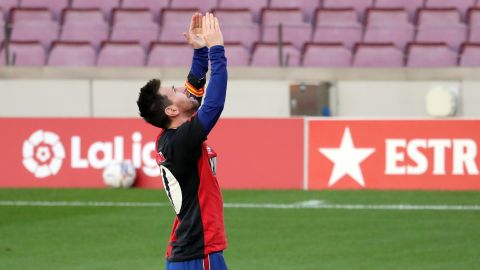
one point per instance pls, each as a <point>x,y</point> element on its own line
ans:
<point>81,204</point>
<point>299,205</point>
<point>404,207</point>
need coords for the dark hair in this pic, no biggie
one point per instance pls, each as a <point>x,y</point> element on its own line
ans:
<point>152,104</point>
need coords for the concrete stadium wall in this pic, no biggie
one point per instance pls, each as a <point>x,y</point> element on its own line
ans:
<point>251,92</point>
<point>116,98</point>
<point>385,99</point>
<point>44,98</point>
<point>400,98</point>
<point>246,98</point>
<point>471,98</point>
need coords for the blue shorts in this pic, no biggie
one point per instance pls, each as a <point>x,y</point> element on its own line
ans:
<point>213,261</point>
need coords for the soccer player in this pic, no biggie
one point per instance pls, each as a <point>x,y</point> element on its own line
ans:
<point>187,164</point>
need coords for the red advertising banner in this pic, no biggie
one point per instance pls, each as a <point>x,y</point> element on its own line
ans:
<point>73,152</point>
<point>394,154</point>
<point>259,153</point>
<point>253,153</point>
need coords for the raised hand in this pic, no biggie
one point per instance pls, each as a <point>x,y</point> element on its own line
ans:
<point>194,35</point>
<point>211,30</point>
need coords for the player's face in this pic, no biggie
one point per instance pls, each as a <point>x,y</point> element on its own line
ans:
<point>178,98</point>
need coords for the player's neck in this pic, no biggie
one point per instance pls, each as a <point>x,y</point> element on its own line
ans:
<point>178,121</point>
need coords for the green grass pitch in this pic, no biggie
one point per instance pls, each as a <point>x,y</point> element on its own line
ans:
<point>127,238</point>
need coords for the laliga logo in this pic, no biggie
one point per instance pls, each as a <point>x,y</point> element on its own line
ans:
<point>99,154</point>
<point>43,154</point>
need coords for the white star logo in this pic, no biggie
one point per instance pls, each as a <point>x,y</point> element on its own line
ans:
<point>346,159</point>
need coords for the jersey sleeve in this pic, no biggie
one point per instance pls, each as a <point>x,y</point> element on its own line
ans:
<point>196,79</point>
<point>214,101</point>
<point>191,134</point>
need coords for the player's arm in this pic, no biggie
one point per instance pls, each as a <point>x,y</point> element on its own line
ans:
<point>196,79</point>
<point>192,133</point>
<point>214,101</point>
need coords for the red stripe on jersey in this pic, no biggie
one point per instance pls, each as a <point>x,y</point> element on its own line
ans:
<point>159,158</point>
<point>173,236</point>
<point>211,206</point>
<point>206,262</point>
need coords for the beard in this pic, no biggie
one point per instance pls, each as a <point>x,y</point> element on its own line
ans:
<point>191,107</point>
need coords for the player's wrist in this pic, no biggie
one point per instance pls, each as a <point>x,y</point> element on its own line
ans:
<point>216,51</point>
<point>195,85</point>
<point>201,52</point>
<point>198,47</point>
<point>216,43</point>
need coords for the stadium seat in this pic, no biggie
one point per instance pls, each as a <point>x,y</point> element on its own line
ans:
<point>6,5</point>
<point>461,5</point>
<point>470,55</point>
<point>121,54</point>
<point>173,22</point>
<point>388,25</point>
<point>71,54</point>
<point>254,5</point>
<point>267,55</point>
<point>238,26</point>
<point>2,60</point>
<point>170,54</point>
<point>2,25</point>
<point>326,55</point>
<point>295,30</point>
<point>105,5</point>
<point>410,5</point>
<point>359,5</point>
<point>430,55</point>
<point>55,6</point>
<point>337,25</point>
<point>30,14</point>
<point>25,53</point>
<point>377,55</point>
<point>84,25</point>
<point>473,20</point>
<point>441,25</point>
<point>129,16</point>
<point>237,54</point>
<point>33,24</point>
<point>307,6</point>
<point>204,5</point>
<point>153,5</point>
<point>134,25</point>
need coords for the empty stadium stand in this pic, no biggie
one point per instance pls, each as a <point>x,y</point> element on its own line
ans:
<point>314,33</point>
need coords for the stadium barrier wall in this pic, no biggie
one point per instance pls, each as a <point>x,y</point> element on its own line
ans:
<point>287,153</point>
<point>116,98</point>
<point>265,98</point>
<point>61,152</point>
<point>393,154</point>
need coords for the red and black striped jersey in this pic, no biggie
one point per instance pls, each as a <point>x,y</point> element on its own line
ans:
<point>187,167</point>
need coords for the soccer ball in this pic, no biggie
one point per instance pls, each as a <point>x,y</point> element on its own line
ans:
<point>119,174</point>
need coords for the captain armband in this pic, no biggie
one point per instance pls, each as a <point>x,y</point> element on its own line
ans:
<point>195,86</point>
